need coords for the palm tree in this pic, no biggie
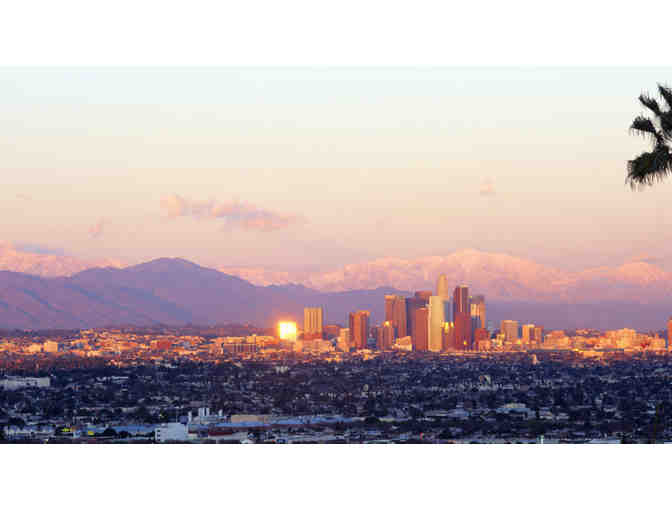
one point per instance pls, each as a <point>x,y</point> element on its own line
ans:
<point>653,166</point>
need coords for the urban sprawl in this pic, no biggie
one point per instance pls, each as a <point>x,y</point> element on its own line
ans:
<point>433,371</point>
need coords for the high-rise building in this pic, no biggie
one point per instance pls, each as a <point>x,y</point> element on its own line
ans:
<point>343,342</point>
<point>386,337</point>
<point>442,288</point>
<point>510,330</point>
<point>412,305</point>
<point>312,323</point>
<point>420,335</point>
<point>482,339</point>
<point>475,324</point>
<point>436,319</point>
<point>538,335</point>
<point>331,330</point>
<point>395,313</point>
<point>669,333</point>
<point>527,333</point>
<point>448,310</point>
<point>462,318</point>
<point>359,328</point>
<point>448,337</point>
<point>50,346</point>
<point>389,306</point>
<point>477,305</point>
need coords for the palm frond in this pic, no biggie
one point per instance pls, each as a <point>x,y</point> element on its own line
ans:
<point>649,167</point>
<point>666,125</point>
<point>643,126</point>
<point>650,103</point>
<point>666,93</point>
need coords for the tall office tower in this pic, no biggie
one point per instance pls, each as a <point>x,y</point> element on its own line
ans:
<point>343,342</point>
<point>527,333</point>
<point>510,330</point>
<point>669,333</point>
<point>462,318</point>
<point>442,288</point>
<point>413,304</point>
<point>359,328</point>
<point>448,337</point>
<point>448,310</point>
<point>420,337</point>
<point>395,313</point>
<point>389,306</point>
<point>538,334</point>
<point>312,323</point>
<point>331,330</point>
<point>478,309</point>
<point>481,339</point>
<point>385,338</point>
<point>435,322</point>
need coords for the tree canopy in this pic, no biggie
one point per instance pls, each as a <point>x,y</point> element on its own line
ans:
<point>656,164</point>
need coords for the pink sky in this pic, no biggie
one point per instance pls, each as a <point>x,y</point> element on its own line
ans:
<point>320,168</point>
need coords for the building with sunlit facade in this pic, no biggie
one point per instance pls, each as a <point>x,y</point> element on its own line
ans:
<point>395,314</point>
<point>510,330</point>
<point>420,336</point>
<point>413,304</point>
<point>386,336</point>
<point>287,331</point>
<point>312,323</point>
<point>462,318</point>
<point>359,328</point>
<point>436,319</point>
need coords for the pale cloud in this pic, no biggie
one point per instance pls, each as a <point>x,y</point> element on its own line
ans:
<point>235,213</point>
<point>97,228</point>
<point>647,258</point>
<point>23,196</point>
<point>40,249</point>
<point>487,188</point>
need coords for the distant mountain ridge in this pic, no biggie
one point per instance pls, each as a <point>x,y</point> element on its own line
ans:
<point>15,259</point>
<point>176,291</point>
<point>168,291</point>
<point>498,276</point>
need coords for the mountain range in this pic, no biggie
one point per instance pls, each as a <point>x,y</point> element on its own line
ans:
<point>498,276</point>
<point>13,258</point>
<point>176,291</point>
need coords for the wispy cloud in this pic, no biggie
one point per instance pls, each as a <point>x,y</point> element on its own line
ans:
<point>487,187</point>
<point>97,228</point>
<point>646,257</point>
<point>40,249</point>
<point>235,213</point>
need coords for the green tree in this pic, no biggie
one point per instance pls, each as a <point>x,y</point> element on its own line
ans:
<point>655,165</point>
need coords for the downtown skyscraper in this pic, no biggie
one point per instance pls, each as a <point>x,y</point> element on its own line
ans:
<point>359,328</point>
<point>312,323</point>
<point>510,330</point>
<point>420,335</point>
<point>413,304</point>
<point>396,314</point>
<point>462,318</point>
<point>435,322</point>
<point>442,288</point>
<point>477,305</point>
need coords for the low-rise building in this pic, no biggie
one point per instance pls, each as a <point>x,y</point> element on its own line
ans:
<point>15,383</point>
<point>171,432</point>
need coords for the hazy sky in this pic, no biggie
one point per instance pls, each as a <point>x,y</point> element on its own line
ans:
<point>321,167</point>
